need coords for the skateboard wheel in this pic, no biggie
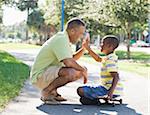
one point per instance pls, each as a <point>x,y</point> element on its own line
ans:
<point>120,101</point>
<point>113,104</point>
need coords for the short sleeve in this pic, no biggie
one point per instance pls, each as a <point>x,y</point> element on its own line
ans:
<point>62,49</point>
<point>111,64</point>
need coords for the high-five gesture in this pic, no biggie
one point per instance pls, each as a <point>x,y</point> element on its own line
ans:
<point>86,41</point>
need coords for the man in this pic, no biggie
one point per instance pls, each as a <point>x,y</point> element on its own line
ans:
<point>55,65</point>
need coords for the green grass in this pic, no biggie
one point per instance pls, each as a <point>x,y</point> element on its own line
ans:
<point>140,56</point>
<point>142,69</point>
<point>140,62</point>
<point>136,56</point>
<point>12,46</point>
<point>13,73</point>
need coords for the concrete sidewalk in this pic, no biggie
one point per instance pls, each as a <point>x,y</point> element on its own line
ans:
<point>135,100</point>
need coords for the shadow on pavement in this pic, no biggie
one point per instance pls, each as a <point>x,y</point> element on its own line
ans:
<point>77,109</point>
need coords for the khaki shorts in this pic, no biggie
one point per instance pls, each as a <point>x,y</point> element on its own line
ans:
<point>47,77</point>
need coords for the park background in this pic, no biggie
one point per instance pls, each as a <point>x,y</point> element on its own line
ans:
<point>27,24</point>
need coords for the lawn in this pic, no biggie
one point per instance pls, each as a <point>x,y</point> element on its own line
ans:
<point>142,69</point>
<point>140,62</point>
<point>135,56</point>
<point>12,46</point>
<point>13,73</point>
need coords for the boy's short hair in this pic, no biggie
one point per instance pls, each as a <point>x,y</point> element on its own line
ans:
<point>74,22</point>
<point>112,40</point>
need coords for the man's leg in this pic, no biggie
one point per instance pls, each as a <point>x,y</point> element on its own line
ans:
<point>66,75</point>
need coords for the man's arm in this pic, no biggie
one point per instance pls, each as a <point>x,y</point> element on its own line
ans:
<point>70,62</point>
<point>115,76</point>
<point>78,54</point>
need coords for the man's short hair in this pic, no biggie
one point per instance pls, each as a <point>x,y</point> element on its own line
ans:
<point>112,40</point>
<point>74,23</point>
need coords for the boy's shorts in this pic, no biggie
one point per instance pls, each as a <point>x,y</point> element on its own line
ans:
<point>47,77</point>
<point>94,92</point>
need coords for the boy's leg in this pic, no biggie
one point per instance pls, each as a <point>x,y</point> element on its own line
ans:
<point>84,100</point>
<point>89,94</point>
<point>87,101</point>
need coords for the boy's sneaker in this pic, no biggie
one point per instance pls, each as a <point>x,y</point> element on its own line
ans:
<point>87,101</point>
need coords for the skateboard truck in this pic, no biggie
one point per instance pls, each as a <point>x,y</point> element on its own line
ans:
<point>113,101</point>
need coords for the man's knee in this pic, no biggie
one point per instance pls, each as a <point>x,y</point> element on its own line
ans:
<point>73,75</point>
<point>70,74</point>
<point>80,91</point>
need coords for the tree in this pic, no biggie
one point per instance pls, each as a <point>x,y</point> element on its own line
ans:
<point>6,2</point>
<point>27,5</point>
<point>52,12</point>
<point>35,20</point>
<point>127,13</point>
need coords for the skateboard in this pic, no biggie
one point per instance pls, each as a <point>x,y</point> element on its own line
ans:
<point>113,101</point>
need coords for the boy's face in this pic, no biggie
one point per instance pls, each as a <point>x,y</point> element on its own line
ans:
<point>106,47</point>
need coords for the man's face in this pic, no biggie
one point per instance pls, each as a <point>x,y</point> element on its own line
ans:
<point>77,33</point>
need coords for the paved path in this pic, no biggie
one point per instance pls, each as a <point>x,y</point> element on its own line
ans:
<point>135,100</point>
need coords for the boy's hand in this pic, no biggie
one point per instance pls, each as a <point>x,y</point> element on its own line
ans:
<point>85,44</point>
<point>109,95</point>
<point>104,58</point>
<point>84,75</point>
<point>87,37</point>
<point>86,41</point>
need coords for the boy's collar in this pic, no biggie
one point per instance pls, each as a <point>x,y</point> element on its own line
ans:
<point>102,54</point>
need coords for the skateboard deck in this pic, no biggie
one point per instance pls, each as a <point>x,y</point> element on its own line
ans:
<point>113,101</point>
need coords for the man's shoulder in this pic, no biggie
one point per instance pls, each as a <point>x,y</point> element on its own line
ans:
<point>59,36</point>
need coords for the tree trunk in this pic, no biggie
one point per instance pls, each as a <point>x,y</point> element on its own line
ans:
<point>128,40</point>
<point>27,32</point>
<point>128,45</point>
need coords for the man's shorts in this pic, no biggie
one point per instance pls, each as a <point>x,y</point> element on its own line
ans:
<point>47,77</point>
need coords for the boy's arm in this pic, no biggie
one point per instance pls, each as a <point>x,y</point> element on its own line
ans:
<point>115,76</point>
<point>94,55</point>
<point>85,44</point>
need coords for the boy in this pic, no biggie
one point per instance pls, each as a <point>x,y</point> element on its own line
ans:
<point>111,86</point>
